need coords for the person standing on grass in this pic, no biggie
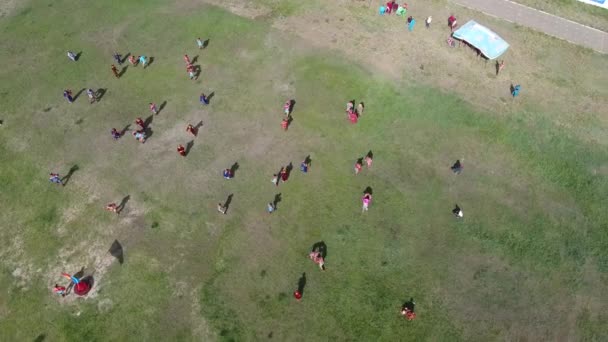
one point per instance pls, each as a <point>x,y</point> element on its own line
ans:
<point>287,107</point>
<point>60,290</point>
<point>285,124</point>
<point>228,174</point>
<point>115,134</point>
<point>117,58</point>
<point>499,66</point>
<point>204,99</point>
<point>91,95</point>
<point>221,208</point>
<point>457,167</point>
<point>140,123</point>
<point>360,108</point>
<point>317,258</point>
<point>187,59</point>
<point>133,60</point>
<point>140,136</point>
<point>358,166</point>
<point>270,208</point>
<point>369,160</point>
<point>115,71</point>
<point>67,94</point>
<point>200,43</point>
<point>54,178</point>
<point>284,174</point>
<point>181,150</point>
<point>71,56</point>
<point>112,207</point>
<point>191,129</point>
<point>143,60</point>
<point>428,21</point>
<point>190,70</point>
<point>515,90</point>
<point>457,211</point>
<point>304,166</point>
<point>153,108</point>
<point>407,310</point>
<point>350,105</point>
<point>352,117</point>
<point>275,179</point>
<point>410,23</point>
<point>367,200</point>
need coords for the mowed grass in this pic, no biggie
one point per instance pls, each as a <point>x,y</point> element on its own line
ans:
<point>528,261</point>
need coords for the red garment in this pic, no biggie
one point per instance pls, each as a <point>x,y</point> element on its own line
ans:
<point>285,124</point>
<point>181,150</point>
<point>353,117</point>
<point>284,176</point>
<point>187,59</point>
<point>140,122</point>
<point>297,295</point>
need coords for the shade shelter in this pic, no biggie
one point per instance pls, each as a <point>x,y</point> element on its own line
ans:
<point>482,38</point>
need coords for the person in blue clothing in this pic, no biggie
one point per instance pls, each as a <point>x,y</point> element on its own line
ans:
<point>203,99</point>
<point>410,23</point>
<point>304,166</point>
<point>515,90</point>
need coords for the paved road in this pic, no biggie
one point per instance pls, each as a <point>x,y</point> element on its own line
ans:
<point>541,21</point>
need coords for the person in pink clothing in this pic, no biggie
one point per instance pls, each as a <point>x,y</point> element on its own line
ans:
<point>367,200</point>
<point>358,166</point>
<point>369,159</point>
<point>153,108</point>
<point>317,258</point>
<point>287,107</point>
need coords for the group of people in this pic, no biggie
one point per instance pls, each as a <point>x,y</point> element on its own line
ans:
<point>352,113</point>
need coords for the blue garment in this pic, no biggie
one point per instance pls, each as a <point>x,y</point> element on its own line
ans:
<point>304,167</point>
<point>516,90</point>
<point>270,208</point>
<point>410,26</point>
<point>204,100</point>
<point>382,10</point>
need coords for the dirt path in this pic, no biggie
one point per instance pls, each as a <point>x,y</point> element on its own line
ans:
<point>541,21</point>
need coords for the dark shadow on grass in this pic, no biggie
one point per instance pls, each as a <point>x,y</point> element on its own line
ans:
<point>78,94</point>
<point>198,125</point>
<point>292,104</point>
<point>123,70</point>
<point>40,338</point>
<point>189,146</point>
<point>122,204</point>
<point>148,132</point>
<point>161,107</point>
<point>228,201</point>
<point>277,199</point>
<point>210,96</point>
<point>150,62</point>
<point>117,251</point>
<point>148,120</point>
<point>320,247</point>
<point>302,283</point>
<point>233,168</point>
<point>124,130</point>
<point>125,58</point>
<point>194,59</point>
<point>100,93</point>
<point>307,160</point>
<point>67,177</point>
<point>410,305</point>
<point>512,88</point>
<point>77,57</point>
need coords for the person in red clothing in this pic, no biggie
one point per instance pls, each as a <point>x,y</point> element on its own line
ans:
<point>60,290</point>
<point>285,124</point>
<point>181,150</point>
<point>140,123</point>
<point>112,207</point>
<point>358,166</point>
<point>353,117</point>
<point>297,295</point>
<point>407,310</point>
<point>192,130</point>
<point>115,71</point>
<point>187,59</point>
<point>284,174</point>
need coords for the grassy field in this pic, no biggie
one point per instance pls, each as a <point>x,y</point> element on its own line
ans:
<point>527,262</point>
<point>574,10</point>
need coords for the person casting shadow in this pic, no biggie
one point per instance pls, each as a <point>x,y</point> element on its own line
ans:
<point>320,247</point>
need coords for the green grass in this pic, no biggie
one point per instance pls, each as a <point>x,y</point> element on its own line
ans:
<point>528,261</point>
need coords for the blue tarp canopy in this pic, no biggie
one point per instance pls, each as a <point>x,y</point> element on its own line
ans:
<point>488,42</point>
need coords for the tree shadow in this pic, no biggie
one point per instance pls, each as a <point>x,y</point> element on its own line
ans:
<point>123,70</point>
<point>125,58</point>
<point>150,62</point>
<point>122,204</point>
<point>368,190</point>
<point>292,104</point>
<point>302,283</point>
<point>77,57</point>
<point>189,146</point>
<point>124,130</point>
<point>117,251</point>
<point>234,167</point>
<point>40,338</point>
<point>228,201</point>
<point>320,247</point>
<point>78,94</point>
<point>206,43</point>
<point>194,59</point>
<point>277,199</point>
<point>162,105</point>
<point>67,177</point>
<point>148,120</point>
<point>210,96</point>
<point>100,93</point>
